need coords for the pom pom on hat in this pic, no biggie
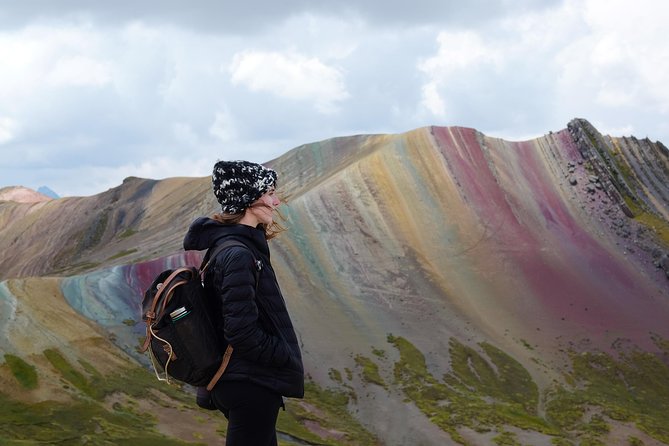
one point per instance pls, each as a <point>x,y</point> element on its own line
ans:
<point>237,184</point>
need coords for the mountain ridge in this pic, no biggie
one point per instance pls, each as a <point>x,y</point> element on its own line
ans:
<point>440,243</point>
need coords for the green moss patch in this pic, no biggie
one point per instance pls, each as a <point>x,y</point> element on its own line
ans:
<point>634,387</point>
<point>71,374</point>
<point>86,420</point>
<point>136,382</point>
<point>487,390</point>
<point>127,233</point>
<point>370,371</point>
<point>506,439</point>
<point>79,423</point>
<point>24,373</point>
<point>656,224</point>
<point>335,375</point>
<point>481,393</point>
<point>379,353</point>
<point>124,253</point>
<point>321,418</point>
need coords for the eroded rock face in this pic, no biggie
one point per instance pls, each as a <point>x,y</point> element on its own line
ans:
<point>661,261</point>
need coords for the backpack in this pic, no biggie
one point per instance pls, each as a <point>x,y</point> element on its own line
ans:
<point>181,338</point>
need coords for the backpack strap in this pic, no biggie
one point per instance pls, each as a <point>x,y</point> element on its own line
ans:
<point>168,287</point>
<point>221,368</point>
<point>211,254</point>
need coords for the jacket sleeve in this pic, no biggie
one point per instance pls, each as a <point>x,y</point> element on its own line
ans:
<point>235,282</point>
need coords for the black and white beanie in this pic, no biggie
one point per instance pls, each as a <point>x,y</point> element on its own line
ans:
<point>237,184</point>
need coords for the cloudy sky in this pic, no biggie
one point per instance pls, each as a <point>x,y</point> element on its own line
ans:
<point>94,91</point>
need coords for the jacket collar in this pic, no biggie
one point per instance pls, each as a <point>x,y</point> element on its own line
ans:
<point>205,232</point>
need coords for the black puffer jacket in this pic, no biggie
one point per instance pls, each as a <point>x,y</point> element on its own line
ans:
<point>254,321</point>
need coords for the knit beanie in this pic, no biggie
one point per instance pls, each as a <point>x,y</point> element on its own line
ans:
<point>237,184</point>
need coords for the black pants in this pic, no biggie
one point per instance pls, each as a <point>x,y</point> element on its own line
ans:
<point>251,411</point>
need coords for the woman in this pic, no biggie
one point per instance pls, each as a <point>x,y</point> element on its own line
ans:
<point>250,312</point>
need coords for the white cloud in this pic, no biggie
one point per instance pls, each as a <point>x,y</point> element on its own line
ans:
<point>625,129</point>
<point>165,167</point>
<point>8,128</point>
<point>615,95</point>
<point>37,58</point>
<point>291,76</point>
<point>459,51</point>
<point>80,70</point>
<point>619,58</point>
<point>595,59</point>
<point>23,57</point>
<point>98,85</point>
<point>432,101</point>
<point>223,127</point>
<point>185,135</point>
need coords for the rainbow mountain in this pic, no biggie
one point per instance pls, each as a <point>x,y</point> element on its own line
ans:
<point>447,287</point>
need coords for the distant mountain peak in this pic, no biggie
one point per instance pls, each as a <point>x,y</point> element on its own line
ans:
<point>21,194</point>
<point>45,190</point>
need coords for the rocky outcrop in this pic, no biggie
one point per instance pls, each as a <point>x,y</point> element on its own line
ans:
<point>595,151</point>
<point>635,176</point>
